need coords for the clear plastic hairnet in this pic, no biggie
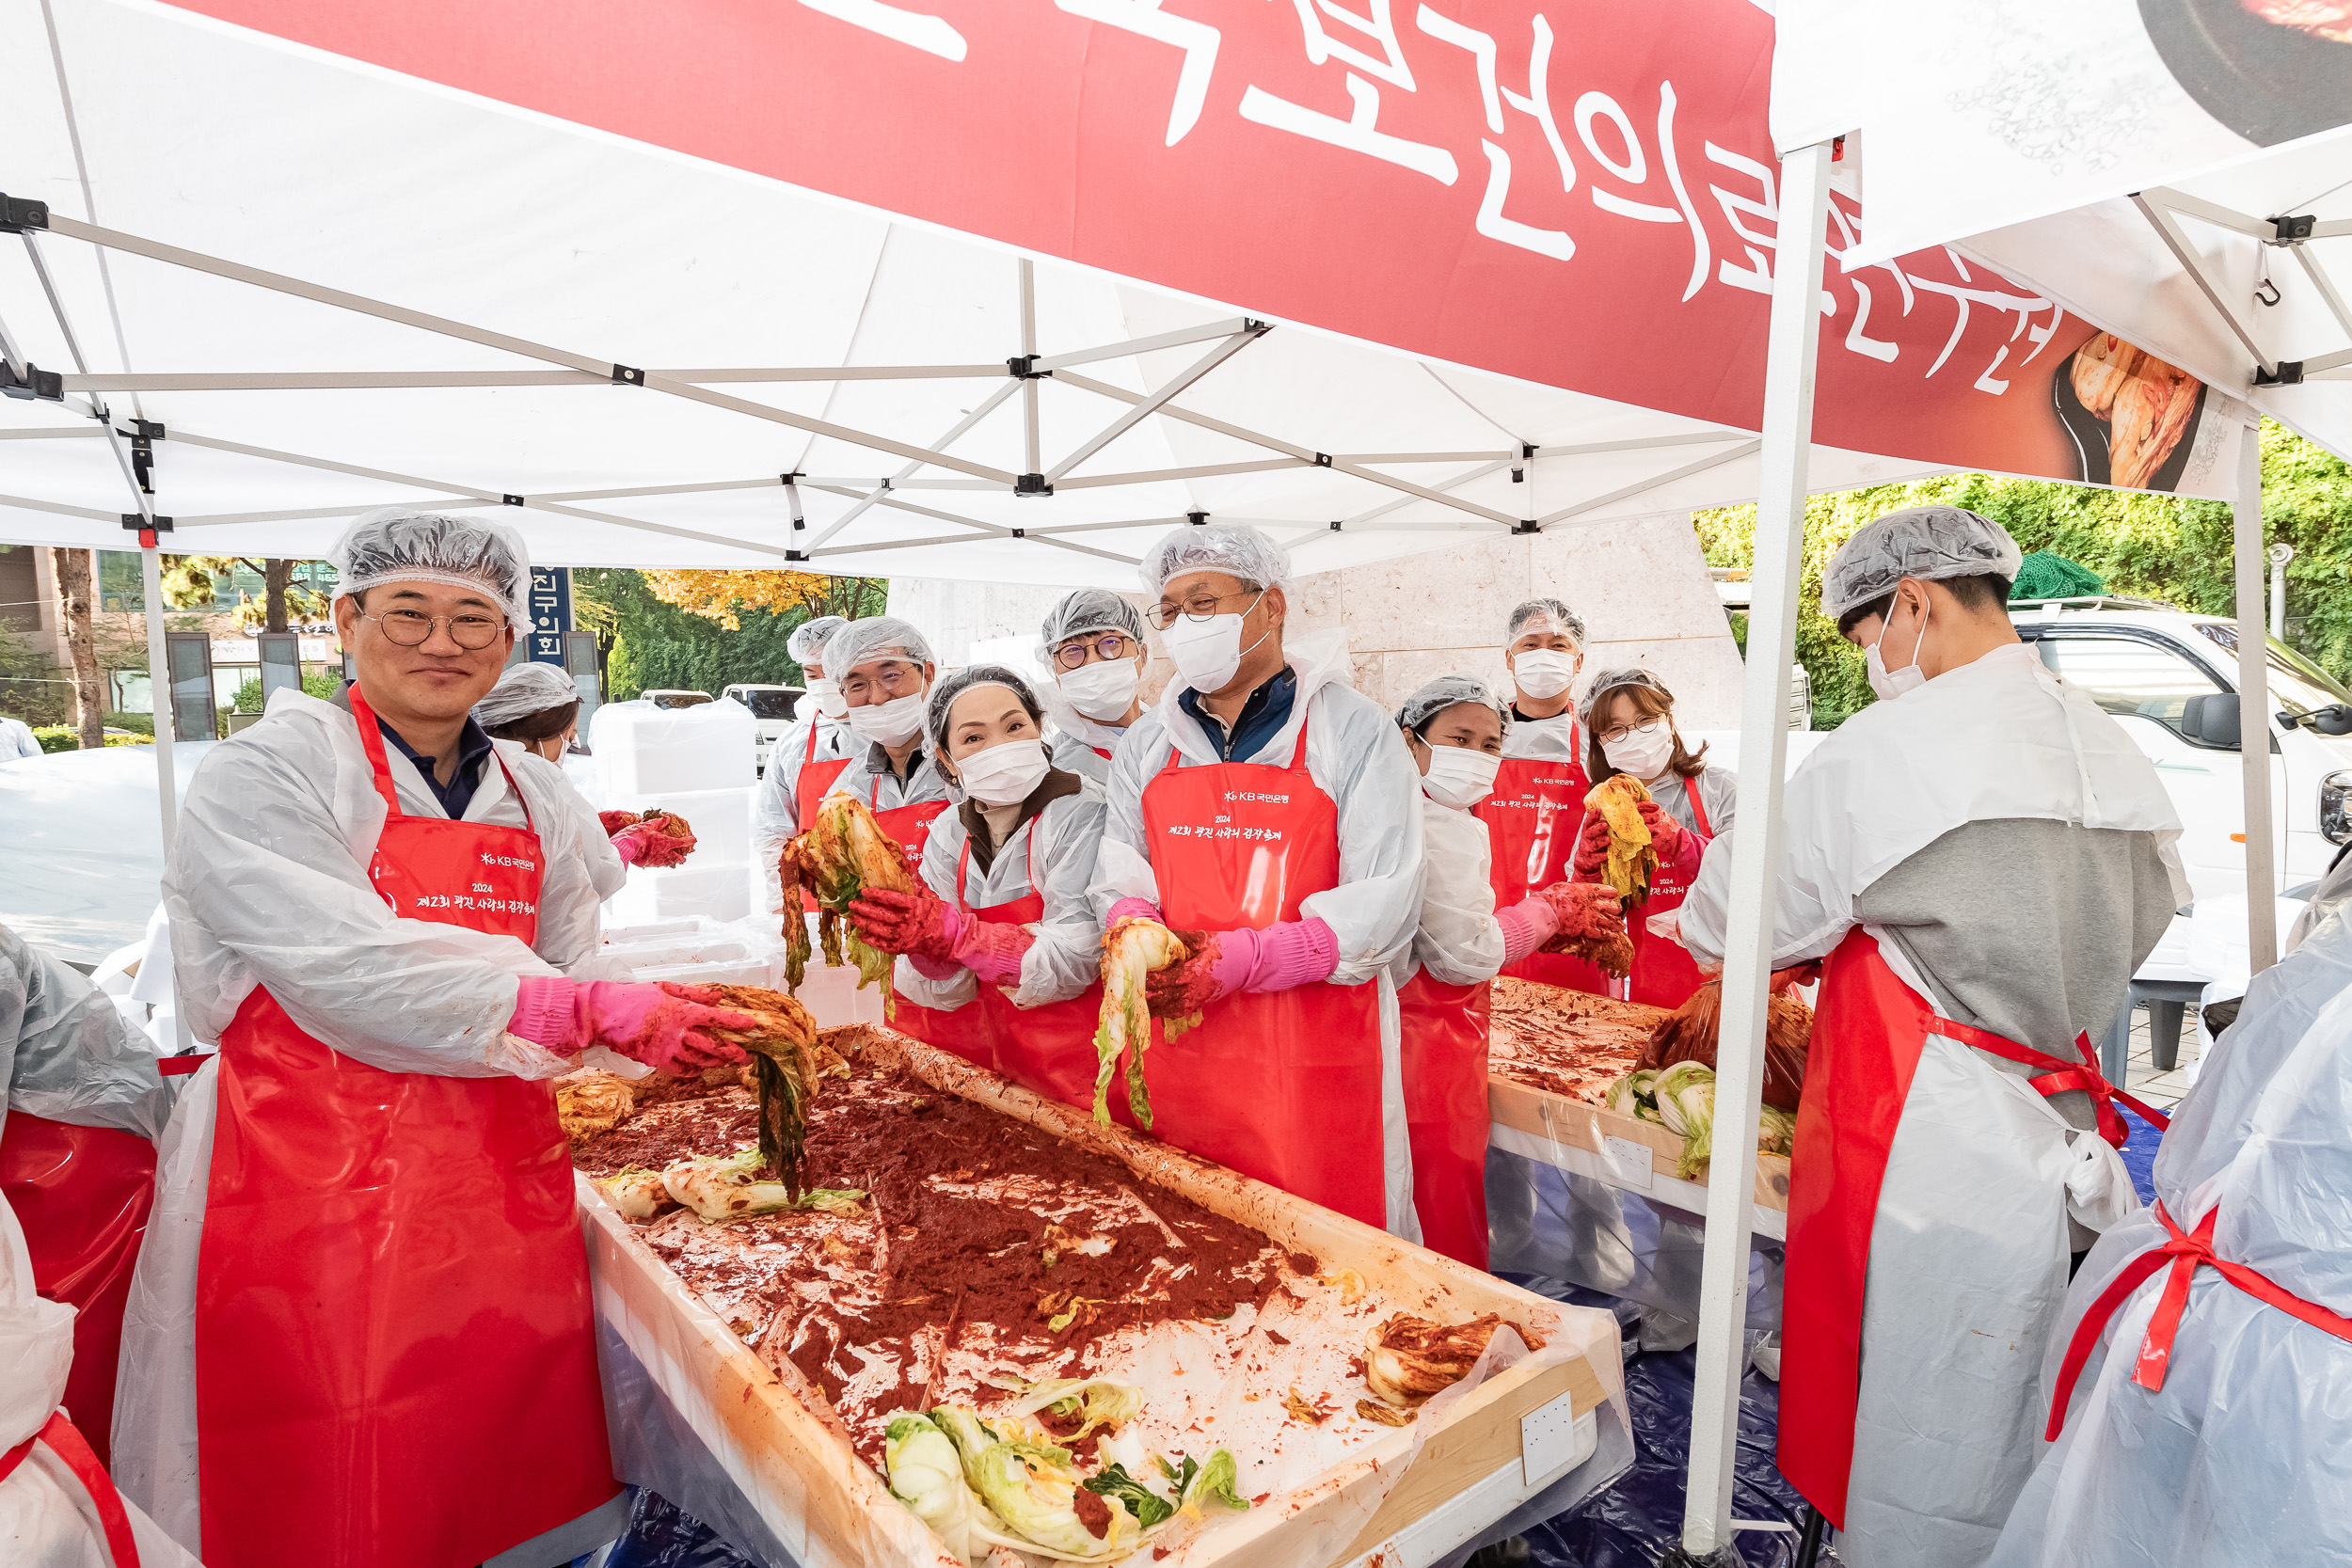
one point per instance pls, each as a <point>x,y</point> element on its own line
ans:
<point>522,691</point>
<point>396,544</point>
<point>808,640</point>
<point>1442,693</point>
<point>1545,615</point>
<point>1087,609</point>
<point>1606,681</point>
<point>1929,543</point>
<point>948,688</point>
<point>1217,547</point>
<point>876,637</point>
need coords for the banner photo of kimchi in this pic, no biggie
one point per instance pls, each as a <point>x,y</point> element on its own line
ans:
<point>2271,70</point>
<point>2129,413</point>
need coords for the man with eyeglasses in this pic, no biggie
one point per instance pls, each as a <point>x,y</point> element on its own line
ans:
<point>1271,817</point>
<point>1092,641</point>
<point>364,1279</point>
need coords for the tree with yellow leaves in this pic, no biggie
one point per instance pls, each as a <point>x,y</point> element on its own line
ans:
<point>718,595</point>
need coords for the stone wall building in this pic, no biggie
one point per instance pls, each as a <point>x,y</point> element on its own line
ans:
<point>1642,587</point>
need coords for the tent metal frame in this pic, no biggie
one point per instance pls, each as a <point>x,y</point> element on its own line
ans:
<point>930,467</point>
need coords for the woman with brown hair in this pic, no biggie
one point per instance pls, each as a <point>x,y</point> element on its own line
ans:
<point>537,707</point>
<point>1630,726</point>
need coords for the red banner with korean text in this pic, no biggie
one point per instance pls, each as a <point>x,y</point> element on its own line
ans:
<point>1582,194</point>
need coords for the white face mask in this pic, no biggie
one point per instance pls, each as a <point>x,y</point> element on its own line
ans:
<point>1005,773</point>
<point>891,724</point>
<point>827,693</point>
<point>1208,653</point>
<point>1542,672</point>
<point>1890,683</point>
<point>1104,690</point>
<point>1458,776</point>
<point>1645,756</point>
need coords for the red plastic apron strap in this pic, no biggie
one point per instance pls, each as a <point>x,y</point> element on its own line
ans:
<point>2056,1077</point>
<point>68,1445</point>
<point>2186,1252</point>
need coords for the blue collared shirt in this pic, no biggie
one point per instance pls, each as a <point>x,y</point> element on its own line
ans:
<point>1262,717</point>
<point>474,751</point>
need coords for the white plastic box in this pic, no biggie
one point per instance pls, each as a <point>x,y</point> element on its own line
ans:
<point>643,750</point>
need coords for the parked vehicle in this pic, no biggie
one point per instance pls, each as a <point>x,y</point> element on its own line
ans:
<point>772,705</point>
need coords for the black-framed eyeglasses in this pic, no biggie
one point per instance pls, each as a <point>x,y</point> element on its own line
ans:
<point>410,629</point>
<point>1624,732</point>
<point>1200,607</point>
<point>1073,655</point>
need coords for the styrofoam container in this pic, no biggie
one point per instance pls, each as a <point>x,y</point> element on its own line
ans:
<point>722,819</point>
<point>643,750</point>
<point>718,892</point>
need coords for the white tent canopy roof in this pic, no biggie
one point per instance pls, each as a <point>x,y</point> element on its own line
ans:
<point>742,298</point>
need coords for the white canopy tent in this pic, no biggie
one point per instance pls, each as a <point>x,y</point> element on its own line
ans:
<point>2127,163</point>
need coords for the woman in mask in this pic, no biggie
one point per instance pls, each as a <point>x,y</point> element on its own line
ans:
<point>794,782</point>
<point>1000,941</point>
<point>538,705</point>
<point>1455,728</point>
<point>1538,799</point>
<point>1630,715</point>
<point>1092,641</point>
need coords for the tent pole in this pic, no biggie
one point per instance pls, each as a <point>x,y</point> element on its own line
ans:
<point>2254,722</point>
<point>1707,1522</point>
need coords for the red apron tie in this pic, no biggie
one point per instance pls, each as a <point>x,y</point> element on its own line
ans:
<point>2056,1077</point>
<point>2186,1252</point>
<point>68,1445</point>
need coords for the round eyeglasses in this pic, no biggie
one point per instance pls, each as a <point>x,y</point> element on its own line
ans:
<point>411,628</point>
<point>1073,655</point>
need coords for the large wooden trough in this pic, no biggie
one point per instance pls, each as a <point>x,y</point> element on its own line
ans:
<point>1405,1496</point>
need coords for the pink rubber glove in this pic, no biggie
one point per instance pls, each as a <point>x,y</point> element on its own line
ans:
<point>645,1023</point>
<point>1527,926</point>
<point>1134,908</point>
<point>993,949</point>
<point>918,924</point>
<point>1286,954</point>
<point>1665,833</point>
<point>649,843</point>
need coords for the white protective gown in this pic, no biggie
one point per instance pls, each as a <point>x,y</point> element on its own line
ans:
<point>607,871</point>
<point>2245,1454</point>
<point>268,884</point>
<point>46,1517</point>
<point>1067,956</point>
<point>1559,738</point>
<point>1458,940</point>
<point>1355,755</point>
<point>775,803</point>
<point>1969,1250</point>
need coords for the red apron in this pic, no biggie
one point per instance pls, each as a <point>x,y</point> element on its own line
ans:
<point>1048,1049</point>
<point>1665,973</point>
<point>1445,1111</point>
<point>1867,1035</point>
<point>811,785</point>
<point>396,1362</point>
<point>82,1195</point>
<point>1281,1085</point>
<point>1532,817</point>
<point>2186,1252</point>
<point>61,1437</point>
<point>962,1030</point>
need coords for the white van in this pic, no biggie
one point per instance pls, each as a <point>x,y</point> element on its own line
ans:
<point>2171,679</point>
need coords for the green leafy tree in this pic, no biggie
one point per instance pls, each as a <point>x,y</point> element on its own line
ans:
<point>2161,547</point>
